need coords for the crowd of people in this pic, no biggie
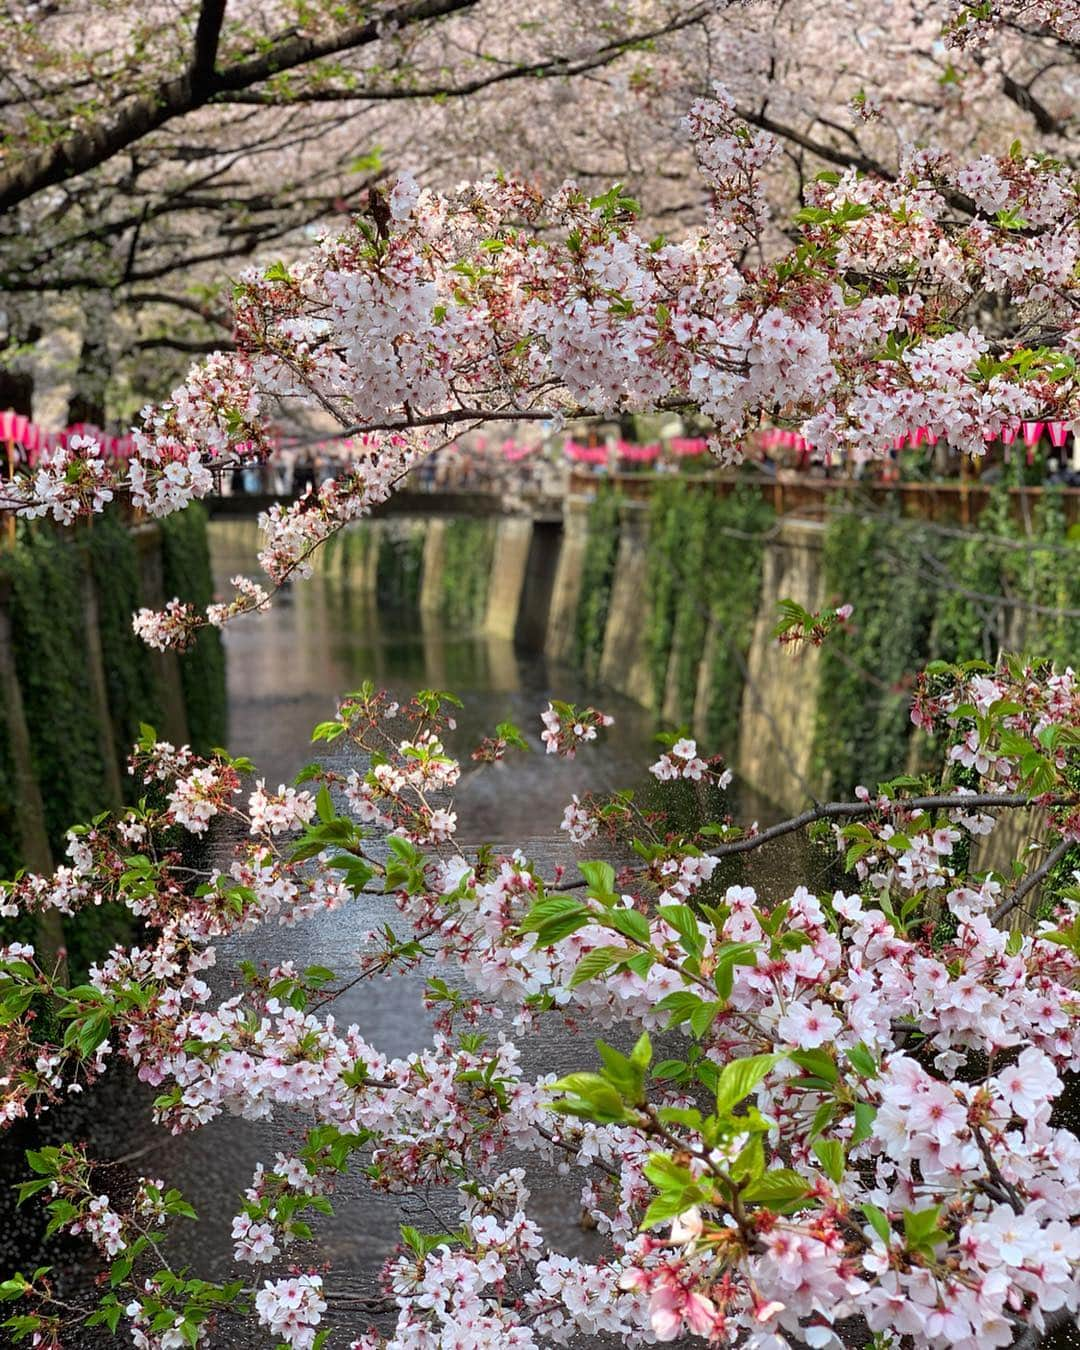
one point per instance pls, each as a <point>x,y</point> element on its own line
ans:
<point>545,469</point>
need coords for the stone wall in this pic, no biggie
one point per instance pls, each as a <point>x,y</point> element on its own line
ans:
<point>75,681</point>
<point>534,591</point>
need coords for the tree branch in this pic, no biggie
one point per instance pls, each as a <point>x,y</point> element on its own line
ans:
<point>561,66</point>
<point>844,159</point>
<point>85,150</point>
<point>207,36</point>
<point>1022,96</point>
<point>1024,889</point>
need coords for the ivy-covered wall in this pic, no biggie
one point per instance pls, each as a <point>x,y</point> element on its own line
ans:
<point>598,575</point>
<point>130,686</point>
<point>862,713</point>
<point>399,567</point>
<point>9,830</point>
<point>187,573</point>
<point>704,571</point>
<point>922,593</point>
<point>44,573</point>
<point>45,607</point>
<point>468,549</point>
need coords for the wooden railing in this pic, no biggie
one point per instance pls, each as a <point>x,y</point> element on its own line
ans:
<point>796,494</point>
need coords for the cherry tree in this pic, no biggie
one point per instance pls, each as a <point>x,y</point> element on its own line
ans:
<point>239,127</point>
<point>148,147</point>
<point>852,1136</point>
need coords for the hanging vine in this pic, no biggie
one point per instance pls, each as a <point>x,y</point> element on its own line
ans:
<point>597,579</point>
<point>466,572</point>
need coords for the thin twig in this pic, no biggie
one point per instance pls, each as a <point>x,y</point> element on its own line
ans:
<point>1032,880</point>
<point>852,810</point>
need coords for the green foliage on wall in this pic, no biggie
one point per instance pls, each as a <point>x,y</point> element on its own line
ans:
<point>357,543</point>
<point>966,626</point>
<point>400,567</point>
<point>669,517</point>
<point>866,672</point>
<point>597,579</point>
<point>924,594</point>
<point>1046,575</point>
<point>468,550</point>
<point>9,832</point>
<point>187,573</point>
<point>704,573</point>
<point>45,570</point>
<point>130,686</point>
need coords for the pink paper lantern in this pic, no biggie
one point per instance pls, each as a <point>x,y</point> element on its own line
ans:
<point>1009,434</point>
<point>1032,432</point>
<point>1059,431</point>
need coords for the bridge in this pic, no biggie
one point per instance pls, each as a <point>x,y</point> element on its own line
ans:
<point>409,502</point>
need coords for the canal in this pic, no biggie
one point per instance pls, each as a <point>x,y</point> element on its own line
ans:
<point>286,669</point>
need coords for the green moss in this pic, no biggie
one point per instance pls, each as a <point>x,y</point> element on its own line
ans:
<point>597,580</point>
<point>9,831</point>
<point>466,572</point>
<point>921,594</point>
<point>732,574</point>
<point>187,574</point>
<point>867,671</point>
<point>1047,575</point>
<point>664,578</point>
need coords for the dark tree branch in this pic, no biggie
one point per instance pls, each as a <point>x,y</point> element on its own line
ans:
<point>1022,96</point>
<point>184,302</point>
<point>1029,883</point>
<point>86,149</point>
<point>207,36</point>
<point>193,346</point>
<point>992,801</point>
<point>554,66</point>
<point>844,159</point>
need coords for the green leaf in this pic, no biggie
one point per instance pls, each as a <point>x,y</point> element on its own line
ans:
<point>630,924</point>
<point>878,1222</point>
<point>823,1118</point>
<point>324,806</point>
<point>922,1228</point>
<point>818,1063</point>
<point>589,1095</point>
<point>864,1122</point>
<point>683,919</point>
<point>739,1078</point>
<point>830,1153</point>
<point>780,1186</point>
<point>596,963</point>
<point>862,1061</point>
<point>642,1051</point>
<point>600,877</point>
<point>93,1031</point>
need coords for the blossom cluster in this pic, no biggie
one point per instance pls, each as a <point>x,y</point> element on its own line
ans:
<point>455,314</point>
<point>567,727</point>
<point>852,1167</point>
